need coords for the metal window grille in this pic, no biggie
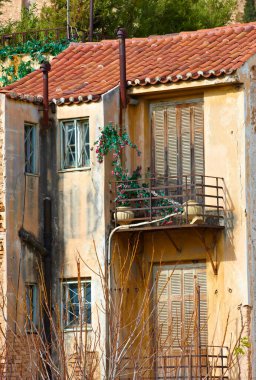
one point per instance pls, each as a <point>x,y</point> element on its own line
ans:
<point>76,303</point>
<point>31,306</point>
<point>30,148</point>
<point>75,144</point>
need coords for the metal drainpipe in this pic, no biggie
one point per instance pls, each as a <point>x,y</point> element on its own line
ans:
<point>45,68</point>
<point>121,35</point>
<point>47,212</point>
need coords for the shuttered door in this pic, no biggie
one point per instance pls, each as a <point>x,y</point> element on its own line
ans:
<point>176,307</point>
<point>178,139</point>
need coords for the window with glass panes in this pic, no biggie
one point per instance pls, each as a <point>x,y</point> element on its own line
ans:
<point>75,143</point>
<point>31,306</point>
<point>76,303</point>
<point>30,137</point>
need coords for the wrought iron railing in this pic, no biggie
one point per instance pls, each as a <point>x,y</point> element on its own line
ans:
<point>190,200</point>
<point>53,34</point>
<point>212,362</point>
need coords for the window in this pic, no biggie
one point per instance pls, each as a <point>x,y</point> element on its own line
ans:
<point>31,306</point>
<point>75,144</point>
<point>30,148</point>
<point>76,303</point>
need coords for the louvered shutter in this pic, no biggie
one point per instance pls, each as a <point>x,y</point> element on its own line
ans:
<point>158,117</point>
<point>175,315</point>
<point>172,141</point>
<point>188,316</point>
<point>202,282</point>
<point>185,153</point>
<point>198,139</point>
<point>176,308</point>
<point>162,306</point>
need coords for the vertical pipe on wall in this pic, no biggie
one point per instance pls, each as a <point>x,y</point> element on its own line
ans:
<point>45,68</point>
<point>47,236</point>
<point>46,211</point>
<point>121,35</point>
<point>68,19</point>
<point>91,21</point>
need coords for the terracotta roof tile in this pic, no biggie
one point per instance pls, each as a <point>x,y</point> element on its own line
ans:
<point>85,71</point>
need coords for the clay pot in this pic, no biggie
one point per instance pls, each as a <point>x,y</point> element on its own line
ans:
<point>123,215</point>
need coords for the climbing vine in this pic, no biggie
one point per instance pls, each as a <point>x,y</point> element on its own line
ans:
<point>14,68</point>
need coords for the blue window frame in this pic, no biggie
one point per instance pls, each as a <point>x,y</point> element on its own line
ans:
<point>76,303</point>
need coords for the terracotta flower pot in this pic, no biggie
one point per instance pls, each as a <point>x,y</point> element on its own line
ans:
<point>192,211</point>
<point>123,215</point>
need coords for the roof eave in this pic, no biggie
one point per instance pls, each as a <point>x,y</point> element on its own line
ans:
<point>224,79</point>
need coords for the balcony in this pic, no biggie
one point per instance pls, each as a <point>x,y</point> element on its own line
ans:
<point>169,202</point>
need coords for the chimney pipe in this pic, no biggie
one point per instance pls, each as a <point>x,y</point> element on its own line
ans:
<point>121,35</point>
<point>45,68</point>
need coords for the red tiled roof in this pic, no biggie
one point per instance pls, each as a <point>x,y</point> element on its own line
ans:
<point>84,71</point>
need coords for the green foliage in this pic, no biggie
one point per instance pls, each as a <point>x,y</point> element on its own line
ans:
<point>249,11</point>
<point>37,51</point>
<point>142,18</point>
<point>244,344</point>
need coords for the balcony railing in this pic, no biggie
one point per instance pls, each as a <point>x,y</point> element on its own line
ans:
<point>212,362</point>
<point>169,201</point>
<point>54,34</point>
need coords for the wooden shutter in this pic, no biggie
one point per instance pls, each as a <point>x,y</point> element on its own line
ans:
<point>198,126</point>
<point>202,282</point>
<point>175,314</point>
<point>176,308</point>
<point>185,154</point>
<point>178,139</point>
<point>189,307</point>
<point>159,142</point>
<point>172,141</point>
<point>162,306</point>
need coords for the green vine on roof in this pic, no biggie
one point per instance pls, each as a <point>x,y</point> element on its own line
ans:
<point>36,51</point>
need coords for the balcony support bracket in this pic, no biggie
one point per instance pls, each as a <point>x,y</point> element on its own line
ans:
<point>179,250</point>
<point>210,249</point>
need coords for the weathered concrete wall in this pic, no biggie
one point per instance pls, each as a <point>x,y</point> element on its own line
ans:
<point>80,225</point>
<point>248,76</point>
<point>22,210</point>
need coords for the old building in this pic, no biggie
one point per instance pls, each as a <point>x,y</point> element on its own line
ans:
<point>181,271</point>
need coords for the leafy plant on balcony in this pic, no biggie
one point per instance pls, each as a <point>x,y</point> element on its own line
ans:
<point>130,191</point>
